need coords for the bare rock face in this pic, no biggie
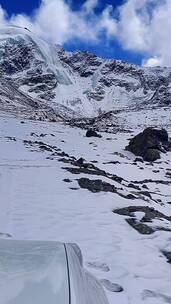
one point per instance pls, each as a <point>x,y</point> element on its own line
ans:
<point>149,144</point>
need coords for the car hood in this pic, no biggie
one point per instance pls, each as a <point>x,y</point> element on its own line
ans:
<point>33,272</point>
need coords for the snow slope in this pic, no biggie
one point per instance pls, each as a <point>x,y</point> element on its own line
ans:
<point>42,200</point>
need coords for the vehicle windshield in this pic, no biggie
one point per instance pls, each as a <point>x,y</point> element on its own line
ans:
<point>33,273</point>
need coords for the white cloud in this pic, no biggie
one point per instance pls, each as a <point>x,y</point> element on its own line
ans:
<point>90,5</point>
<point>57,22</point>
<point>2,16</point>
<point>108,23</point>
<point>142,26</point>
<point>152,62</point>
<point>145,26</point>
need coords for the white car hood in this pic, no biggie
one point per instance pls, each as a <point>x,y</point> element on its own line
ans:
<point>33,273</point>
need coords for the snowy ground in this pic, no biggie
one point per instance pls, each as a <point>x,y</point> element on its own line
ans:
<point>36,203</point>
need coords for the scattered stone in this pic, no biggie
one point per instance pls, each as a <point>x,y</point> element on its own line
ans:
<point>45,148</point>
<point>64,160</point>
<point>111,286</point>
<point>74,188</point>
<point>146,193</point>
<point>67,180</point>
<point>112,162</point>
<point>168,174</point>
<point>95,185</point>
<point>130,196</point>
<point>88,168</point>
<point>145,186</point>
<point>63,154</point>
<point>130,185</point>
<point>156,181</point>
<point>150,215</point>
<point>159,200</point>
<point>22,122</point>
<point>33,134</point>
<point>92,133</point>
<point>80,161</point>
<point>11,138</point>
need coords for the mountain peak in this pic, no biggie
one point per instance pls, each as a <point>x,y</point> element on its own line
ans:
<point>80,82</point>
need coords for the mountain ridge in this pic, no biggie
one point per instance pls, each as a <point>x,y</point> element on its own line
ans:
<point>74,84</point>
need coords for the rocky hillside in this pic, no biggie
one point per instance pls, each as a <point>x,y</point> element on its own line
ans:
<point>45,81</point>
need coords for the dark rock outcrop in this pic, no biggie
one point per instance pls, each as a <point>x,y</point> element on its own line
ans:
<point>142,225</point>
<point>150,143</point>
<point>95,185</point>
<point>92,133</point>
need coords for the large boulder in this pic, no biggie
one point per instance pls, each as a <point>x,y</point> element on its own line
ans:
<point>92,133</point>
<point>149,144</point>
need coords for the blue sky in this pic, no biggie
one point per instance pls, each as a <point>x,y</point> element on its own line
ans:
<point>19,6</point>
<point>136,31</point>
<point>110,49</point>
<point>27,6</point>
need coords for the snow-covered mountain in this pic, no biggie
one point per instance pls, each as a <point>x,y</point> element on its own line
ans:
<point>37,77</point>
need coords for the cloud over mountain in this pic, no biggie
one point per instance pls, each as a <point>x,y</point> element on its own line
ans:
<point>139,26</point>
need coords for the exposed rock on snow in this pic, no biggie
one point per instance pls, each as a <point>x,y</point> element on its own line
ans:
<point>150,214</point>
<point>149,144</point>
<point>167,254</point>
<point>140,227</point>
<point>96,185</point>
<point>92,133</point>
